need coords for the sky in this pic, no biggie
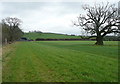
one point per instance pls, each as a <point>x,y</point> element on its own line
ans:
<point>53,16</point>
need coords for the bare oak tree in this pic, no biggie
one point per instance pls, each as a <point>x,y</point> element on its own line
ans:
<point>13,24</point>
<point>100,20</point>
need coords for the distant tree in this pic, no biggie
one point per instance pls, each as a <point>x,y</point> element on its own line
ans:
<point>99,21</point>
<point>72,35</point>
<point>38,32</point>
<point>10,29</point>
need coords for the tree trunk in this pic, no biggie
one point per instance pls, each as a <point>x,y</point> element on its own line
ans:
<point>11,38</point>
<point>6,41</point>
<point>99,40</point>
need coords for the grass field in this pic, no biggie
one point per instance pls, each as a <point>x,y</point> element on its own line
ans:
<point>48,35</point>
<point>60,61</point>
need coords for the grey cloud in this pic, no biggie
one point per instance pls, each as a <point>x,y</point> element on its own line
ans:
<point>19,7</point>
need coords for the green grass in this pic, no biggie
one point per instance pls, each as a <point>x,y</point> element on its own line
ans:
<point>48,35</point>
<point>61,61</point>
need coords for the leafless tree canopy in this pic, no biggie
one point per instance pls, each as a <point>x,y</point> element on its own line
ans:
<point>12,22</point>
<point>100,20</point>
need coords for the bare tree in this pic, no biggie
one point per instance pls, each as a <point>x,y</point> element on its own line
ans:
<point>100,20</point>
<point>13,24</point>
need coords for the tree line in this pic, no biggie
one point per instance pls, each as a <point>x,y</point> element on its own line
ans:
<point>11,30</point>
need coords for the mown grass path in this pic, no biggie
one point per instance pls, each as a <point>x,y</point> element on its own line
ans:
<point>61,61</point>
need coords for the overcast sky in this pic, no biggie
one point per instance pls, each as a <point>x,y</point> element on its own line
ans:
<point>55,16</point>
